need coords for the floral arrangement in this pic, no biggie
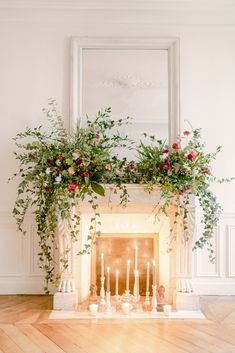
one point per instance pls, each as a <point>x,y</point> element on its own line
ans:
<point>57,169</point>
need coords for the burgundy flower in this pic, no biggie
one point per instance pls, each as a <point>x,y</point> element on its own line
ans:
<point>48,189</point>
<point>49,161</point>
<point>166,151</point>
<point>85,173</point>
<point>186,133</point>
<point>166,165</point>
<point>175,146</point>
<point>191,156</point>
<point>97,136</point>
<point>108,167</point>
<point>72,187</point>
<point>59,158</point>
<point>79,162</point>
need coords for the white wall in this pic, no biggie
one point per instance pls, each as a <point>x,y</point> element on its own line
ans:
<point>34,65</point>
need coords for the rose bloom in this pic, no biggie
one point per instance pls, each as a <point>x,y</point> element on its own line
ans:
<point>72,187</point>
<point>166,151</point>
<point>175,146</point>
<point>107,167</point>
<point>59,158</point>
<point>166,165</point>
<point>80,162</point>
<point>186,133</point>
<point>191,156</point>
<point>85,173</point>
<point>71,171</point>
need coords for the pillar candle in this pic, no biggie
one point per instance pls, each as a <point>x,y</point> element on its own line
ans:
<point>108,279</point>
<point>136,257</point>
<point>147,278</point>
<point>154,273</point>
<point>117,278</point>
<point>102,265</point>
<point>128,275</point>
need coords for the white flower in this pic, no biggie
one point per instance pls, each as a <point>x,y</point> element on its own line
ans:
<point>75,155</point>
<point>58,179</point>
<point>48,170</point>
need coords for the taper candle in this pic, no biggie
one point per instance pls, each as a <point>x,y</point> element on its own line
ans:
<point>154,273</point>
<point>128,275</point>
<point>137,283</point>
<point>108,279</point>
<point>136,257</point>
<point>102,265</point>
<point>147,278</point>
<point>117,278</point>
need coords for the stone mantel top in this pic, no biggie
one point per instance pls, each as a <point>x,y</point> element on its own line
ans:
<point>140,200</point>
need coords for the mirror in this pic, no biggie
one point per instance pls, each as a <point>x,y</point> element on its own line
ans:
<point>136,77</point>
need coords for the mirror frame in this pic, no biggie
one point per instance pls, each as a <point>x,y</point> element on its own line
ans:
<point>171,44</point>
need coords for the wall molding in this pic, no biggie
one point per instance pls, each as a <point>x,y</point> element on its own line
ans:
<point>230,230</point>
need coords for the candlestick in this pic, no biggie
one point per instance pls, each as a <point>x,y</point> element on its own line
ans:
<point>136,294</point>
<point>154,273</point>
<point>136,257</point>
<point>108,304</point>
<point>102,265</point>
<point>102,291</point>
<point>116,287</point>
<point>127,275</point>
<point>147,278</point>
<point>154,299</point>
<point>108,279</point>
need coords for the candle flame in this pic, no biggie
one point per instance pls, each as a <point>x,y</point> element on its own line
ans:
<point>117,272</point>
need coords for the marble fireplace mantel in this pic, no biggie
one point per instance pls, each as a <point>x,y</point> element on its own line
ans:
<point>175,268</point>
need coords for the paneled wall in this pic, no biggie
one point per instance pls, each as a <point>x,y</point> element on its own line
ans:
<point>35,65</point>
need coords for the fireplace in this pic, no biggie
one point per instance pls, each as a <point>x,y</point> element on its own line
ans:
<point>122,228</point>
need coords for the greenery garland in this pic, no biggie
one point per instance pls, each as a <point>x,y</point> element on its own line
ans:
<point>59,169</point>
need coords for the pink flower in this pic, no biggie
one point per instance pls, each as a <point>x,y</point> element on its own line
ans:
<point>71,171</point>
<point>107,167</point>
<point>166,165</point>
<point>186,133</point>
<point>166,151</point>
<point>175,146</point>
<point>72,187</point>
<point>206,170</point>
<point>191,156</point>
<point>97,136</point>
<point>132,165</point>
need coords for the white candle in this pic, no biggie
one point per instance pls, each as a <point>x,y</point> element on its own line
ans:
<point>128,275</point>
<point>136,257</point>
<point>102,265</point>
<point>147,278</point>
<point>137,283</point>
<point>167,309</point>
<point>154,273</point>
<point>108,279</point>
<point>117,277</point>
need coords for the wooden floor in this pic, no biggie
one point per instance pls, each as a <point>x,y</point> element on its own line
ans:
<point>24,327</point>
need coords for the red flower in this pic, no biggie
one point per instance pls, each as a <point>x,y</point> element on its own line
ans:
<point>72,187</point>
<point>49,161</point>
<point>175,146</point>
<point>59,158</point>
<point>186,133</point>
<point>48,189</point>
<point>79,162</point>
<point>85,173</point>
<point>166,165</point>
<point>107,167</point>
<point>191,156</point>
<point>166,151</point>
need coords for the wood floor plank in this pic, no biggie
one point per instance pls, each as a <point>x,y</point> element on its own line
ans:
<point>20,339</point>
<point>7,345</point>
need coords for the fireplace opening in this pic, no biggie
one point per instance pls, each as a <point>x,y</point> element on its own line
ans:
<point>117,250</point>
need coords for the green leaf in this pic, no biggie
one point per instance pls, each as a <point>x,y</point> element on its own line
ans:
<point>97,188</point>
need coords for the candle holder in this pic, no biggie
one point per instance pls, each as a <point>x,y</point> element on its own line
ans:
<point>154,299</point>
<point>147,299</point>
<point>126,296</point>
<point>102,291</point>
<point>117,298</point>
<point>108,304</point>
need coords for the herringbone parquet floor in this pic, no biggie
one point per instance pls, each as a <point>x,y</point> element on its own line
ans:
<point>24,327</point>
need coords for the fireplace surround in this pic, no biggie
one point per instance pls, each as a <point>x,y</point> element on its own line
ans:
<point>174,268</point>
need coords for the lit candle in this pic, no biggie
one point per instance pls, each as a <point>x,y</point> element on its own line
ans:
<point>128,275</point>
<point>147,278</point>
<point>154,273</point>
<point>108,279</point>
<point>137,283</point>
<point>136,257</point>
<point>117,277</point>
<point>102,265</point>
